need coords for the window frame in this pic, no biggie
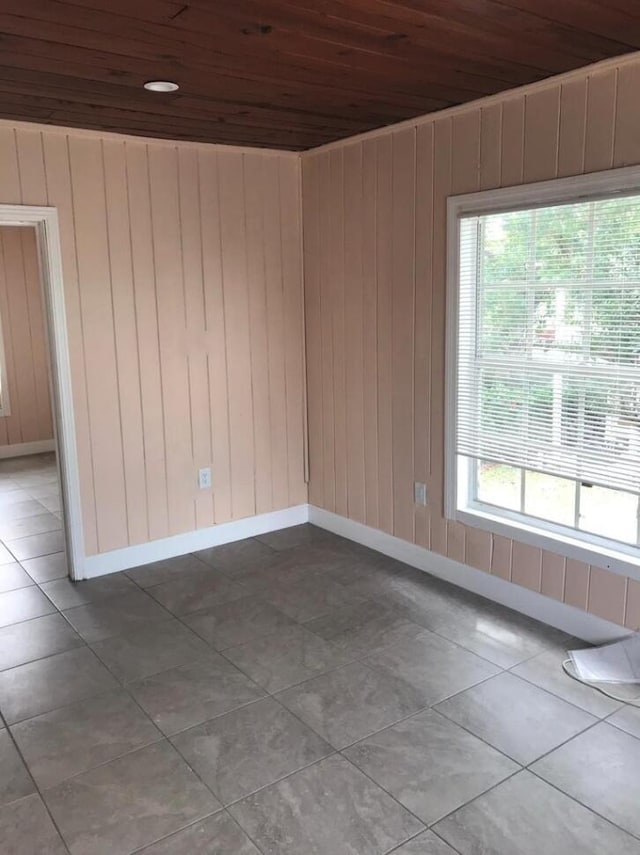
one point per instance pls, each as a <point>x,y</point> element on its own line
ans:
<point>583,546</point>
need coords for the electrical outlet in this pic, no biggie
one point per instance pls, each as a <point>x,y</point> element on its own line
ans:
<point>420,493</point>
<point>204,478</point>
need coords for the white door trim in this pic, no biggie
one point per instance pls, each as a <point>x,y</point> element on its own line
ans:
<point>45,222</point>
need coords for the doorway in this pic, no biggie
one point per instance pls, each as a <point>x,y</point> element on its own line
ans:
<point>40,521</point>
<point>31,513</point>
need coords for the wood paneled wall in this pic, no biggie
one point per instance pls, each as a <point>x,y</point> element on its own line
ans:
<point>375,235</point>
<point>25,346</point>
<point>183,285</point>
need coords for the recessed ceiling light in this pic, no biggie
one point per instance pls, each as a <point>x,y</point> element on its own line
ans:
<point>161,86</point>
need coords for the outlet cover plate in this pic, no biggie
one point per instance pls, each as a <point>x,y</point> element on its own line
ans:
<point>204,478</point>
<point>420,493</point>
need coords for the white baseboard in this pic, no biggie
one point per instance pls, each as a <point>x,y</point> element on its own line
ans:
<point>22,449</point>
<point>192,541</point>
<point>567,618</point>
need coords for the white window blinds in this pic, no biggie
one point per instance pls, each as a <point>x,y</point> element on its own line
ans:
<point>548,370</point>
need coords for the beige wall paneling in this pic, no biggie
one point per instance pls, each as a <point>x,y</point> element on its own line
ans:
<point>370,328</point>
<point>354,330</point>
<point>403,319</point>
<point>585,121</point>
<point>289,173</point>
<point>215,326</point>
<point>384,251</point>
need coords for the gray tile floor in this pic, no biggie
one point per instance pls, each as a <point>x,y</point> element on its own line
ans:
<point>292,694</point>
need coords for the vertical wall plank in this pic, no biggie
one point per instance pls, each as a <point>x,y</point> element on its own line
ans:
<point>165,208</point>
<point>526,566</point>
<point>31,166</point>
<point>196,345</point>
<point>9,425</point>
<point>337,286</point>
<point>542,120</point>
<point>490,146</point>
<point>37,332</point>
<point>147,338</point>
<point>87,176</point>
<point>58,177</point>
<point>236,309</point>
<point>601,106</point>
<point>422,333</point>
<point>403,314</point>
<point>477,552</point>
<point>573,113</point>
<point>216,332</point>
<point>276,331</point>
<point>313,322</point>
<point>552,581</point>
<point>456,541</point>
<point>260,331</point>
<point>576,584</point>
<point>126,339</point>
<point>370,329</point>
<point>289,171</point>
<point>607,595</point>
<point>627,129</point>
<point>384,247</point>
<point>512,150</point>
<point>441,190</point>
<point>465,152</point>
<point>10,192</point>
<point>327,308</point>
<point>23,422</point>
<point>353,226</point>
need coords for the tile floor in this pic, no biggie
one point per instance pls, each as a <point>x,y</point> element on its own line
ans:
<point>292,694</point>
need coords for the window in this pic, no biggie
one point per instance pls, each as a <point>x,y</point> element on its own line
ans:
<point>544,361</point>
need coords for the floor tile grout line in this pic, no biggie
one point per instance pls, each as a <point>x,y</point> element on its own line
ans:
<point>420,712</point>
<point>499,750</point>
<point>582,804</point>
<point>400,610</point>
<point>62,706</point>
<point>446,842</point>
<point>65,780</point>
<point>424,824</point>
<point>392,607</point>
<point>83,643</point>
<point>38,790</point>
<point>171,834</point>
<point>556,695</point>
<point>240,799</point>
<point>502,669</point>
<point>195,822</point>
<point>474,799</point>
<point>561,745</point>
<point>334,751</point>
<point>359,658</point>
<point>337,668</point>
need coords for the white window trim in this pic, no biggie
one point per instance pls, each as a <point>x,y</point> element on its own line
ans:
<point>582,546</point>
<point>5,400</point>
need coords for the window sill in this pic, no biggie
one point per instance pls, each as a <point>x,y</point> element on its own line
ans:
<point>596,552</point>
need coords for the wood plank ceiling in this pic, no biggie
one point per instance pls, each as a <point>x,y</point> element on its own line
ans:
<point>286,73</point>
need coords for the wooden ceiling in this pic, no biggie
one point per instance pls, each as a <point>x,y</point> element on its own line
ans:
<point>286,73</point>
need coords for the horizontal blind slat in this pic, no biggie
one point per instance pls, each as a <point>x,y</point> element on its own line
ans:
<point>549,340</point>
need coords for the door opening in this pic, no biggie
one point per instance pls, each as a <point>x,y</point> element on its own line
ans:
<point>40,514</point>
